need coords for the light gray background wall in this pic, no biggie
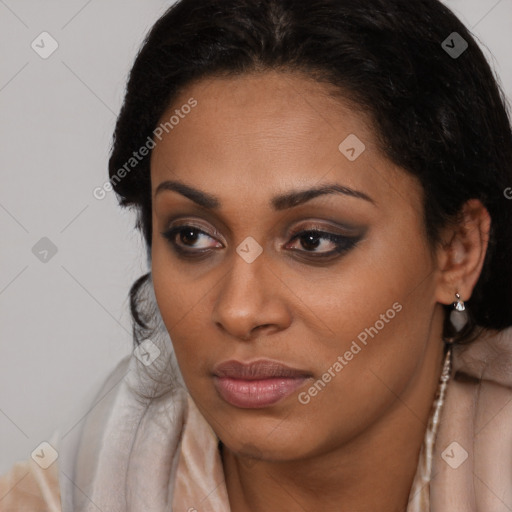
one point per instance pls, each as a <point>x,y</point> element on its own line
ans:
<point>65,323</point>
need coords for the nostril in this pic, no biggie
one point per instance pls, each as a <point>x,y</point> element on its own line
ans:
<point>265,326</point>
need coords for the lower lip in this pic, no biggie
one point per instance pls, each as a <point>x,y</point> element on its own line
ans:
<point>252,394</point>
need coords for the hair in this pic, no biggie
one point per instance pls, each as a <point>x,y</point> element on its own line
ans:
<point>442,118</point>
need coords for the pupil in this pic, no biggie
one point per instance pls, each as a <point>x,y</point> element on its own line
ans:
<point>312,241</point>
<point>189,233</point>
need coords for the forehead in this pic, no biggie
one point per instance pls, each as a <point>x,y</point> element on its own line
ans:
<point>265,132</point>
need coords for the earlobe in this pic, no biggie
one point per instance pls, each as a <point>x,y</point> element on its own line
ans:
<point>461,256</point>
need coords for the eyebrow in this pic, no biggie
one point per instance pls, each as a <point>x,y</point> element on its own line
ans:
<point>279,202</point>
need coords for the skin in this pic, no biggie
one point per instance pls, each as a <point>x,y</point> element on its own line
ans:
<point>355,445</point>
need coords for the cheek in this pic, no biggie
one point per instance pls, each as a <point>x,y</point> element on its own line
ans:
<point>386,272</point>
<point>177,288</point>
<point>381,332</point>
<point>376,314</point>
<point>183,301</point>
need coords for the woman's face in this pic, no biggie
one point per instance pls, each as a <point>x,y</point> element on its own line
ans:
<point>351,303</point>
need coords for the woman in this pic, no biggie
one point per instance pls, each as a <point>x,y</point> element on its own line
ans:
<point>322,188</point>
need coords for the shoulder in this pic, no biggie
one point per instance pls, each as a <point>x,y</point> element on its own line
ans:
<point>472,448</point>
<point>27,487</point>
<point>487,360</point>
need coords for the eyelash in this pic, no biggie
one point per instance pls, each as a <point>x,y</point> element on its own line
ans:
<point>343,243</point>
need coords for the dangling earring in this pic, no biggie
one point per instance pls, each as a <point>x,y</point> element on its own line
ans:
<point>459,315</point>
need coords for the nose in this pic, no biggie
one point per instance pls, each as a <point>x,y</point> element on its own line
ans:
<point>251,300</point>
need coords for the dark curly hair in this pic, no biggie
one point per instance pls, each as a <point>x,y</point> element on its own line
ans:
<point>443,118</point>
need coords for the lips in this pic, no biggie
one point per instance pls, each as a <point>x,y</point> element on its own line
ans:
<point>258,384</point>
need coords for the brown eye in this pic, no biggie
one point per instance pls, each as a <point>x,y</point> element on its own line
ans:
<point>323,243</point>
<point>188,235</point>
<point>189,239</point>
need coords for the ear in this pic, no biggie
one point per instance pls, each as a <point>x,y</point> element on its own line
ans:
<point>461,254</point>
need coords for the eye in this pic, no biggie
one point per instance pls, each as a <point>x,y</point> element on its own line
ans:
<point>322,243</point>
<point>190,240</point>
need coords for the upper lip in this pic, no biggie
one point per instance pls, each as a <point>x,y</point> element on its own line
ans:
<point>260,369</point>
